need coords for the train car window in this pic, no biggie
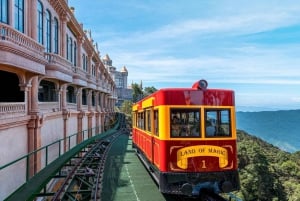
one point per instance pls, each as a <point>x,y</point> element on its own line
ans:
<point>155,115</point>
<point>141,120</point>
<point>217,123</point>
<point>185,123</point>
<point>133,119</point>
<point>148,119</point>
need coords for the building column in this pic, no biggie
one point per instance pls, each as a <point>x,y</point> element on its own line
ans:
<point>80,126</point>
<point>63,97</point>
<point>79,51</point>
<point>91,113</point>
<point>34,105</point>
<point>79,99</point>
<point>65,113</point>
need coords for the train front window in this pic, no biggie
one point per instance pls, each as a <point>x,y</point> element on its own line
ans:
<point>217,123</point>
<point>185,123</point>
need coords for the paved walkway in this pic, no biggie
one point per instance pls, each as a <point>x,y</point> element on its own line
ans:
<point>126,179</point>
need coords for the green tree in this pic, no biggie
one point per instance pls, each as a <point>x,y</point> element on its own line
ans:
<point>149,90</point>
<point>137,93</point>
<point>126,107</point>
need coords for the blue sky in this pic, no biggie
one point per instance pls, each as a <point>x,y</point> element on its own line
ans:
<point>252,47</point>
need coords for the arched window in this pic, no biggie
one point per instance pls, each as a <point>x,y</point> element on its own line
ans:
<point>47,92</point>
<point>84,97</point>
<point>55,36</point>
<point>83,62</point>
<point>4,11</point>
<point>67,44</point>
<point>40,23</point>
<point>71,96</point>
<point>71,50</point>
<point>19,15</point>
<point>86,63</point>
<point>75,54</point>
<point>48,31</point>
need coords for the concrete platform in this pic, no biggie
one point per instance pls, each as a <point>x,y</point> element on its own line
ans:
<point>125,178</point>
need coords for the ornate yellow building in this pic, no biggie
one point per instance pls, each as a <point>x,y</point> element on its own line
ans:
<point>52,82</point>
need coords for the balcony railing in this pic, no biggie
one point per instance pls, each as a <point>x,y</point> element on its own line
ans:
<point>7,33</point>
<point>58,60</point>
<point>12,109</point>
<point>47,107</point>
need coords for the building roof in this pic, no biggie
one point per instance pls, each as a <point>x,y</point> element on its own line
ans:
<point>124,69</point>
<point>106,57</point>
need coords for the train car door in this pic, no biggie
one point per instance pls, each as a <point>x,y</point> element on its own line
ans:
<point>150,129</point>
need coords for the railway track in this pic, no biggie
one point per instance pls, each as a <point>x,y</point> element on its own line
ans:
<point>83,174</point>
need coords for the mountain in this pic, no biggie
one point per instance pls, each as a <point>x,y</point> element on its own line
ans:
<point>266,172</point>
<point>280,128</point>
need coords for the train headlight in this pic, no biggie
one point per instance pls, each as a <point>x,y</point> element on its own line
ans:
<point>201,84</point>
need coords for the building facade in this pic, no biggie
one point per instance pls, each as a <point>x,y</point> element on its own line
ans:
<point>120,78</point>
<point>53,83</point>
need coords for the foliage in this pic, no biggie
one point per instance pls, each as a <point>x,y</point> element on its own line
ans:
<point>266,172</point>
<point>149,90</point>
<point>126,107</point>
<point>139,92</point>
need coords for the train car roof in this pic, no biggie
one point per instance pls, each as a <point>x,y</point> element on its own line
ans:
<point>189,96</point>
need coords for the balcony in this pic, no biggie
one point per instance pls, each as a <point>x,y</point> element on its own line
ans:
<point>58,67</point>
<point>21,51</point>
<point>12,110</point>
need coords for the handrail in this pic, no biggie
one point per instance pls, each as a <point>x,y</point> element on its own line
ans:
<point>29,189</point>
<point>68,141</point>
<point>27,156</point>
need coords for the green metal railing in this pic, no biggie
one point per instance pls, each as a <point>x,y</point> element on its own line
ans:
<point>27,190</point>
<point>58,143</point>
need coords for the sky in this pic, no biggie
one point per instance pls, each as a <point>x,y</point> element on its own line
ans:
<point>251,47</point>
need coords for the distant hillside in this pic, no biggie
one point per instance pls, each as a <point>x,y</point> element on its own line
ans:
<point>266,172</point>
<point>280,128</point>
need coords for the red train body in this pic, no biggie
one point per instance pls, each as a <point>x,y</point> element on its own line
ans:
<point>187,139</point>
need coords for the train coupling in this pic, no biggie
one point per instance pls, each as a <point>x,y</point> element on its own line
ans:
<point>194,190</point>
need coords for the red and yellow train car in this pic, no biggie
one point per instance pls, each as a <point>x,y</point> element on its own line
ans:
<point>187,139</point>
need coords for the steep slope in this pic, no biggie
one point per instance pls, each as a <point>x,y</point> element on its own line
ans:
<point>266,172</point>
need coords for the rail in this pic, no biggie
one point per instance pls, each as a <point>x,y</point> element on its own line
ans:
<point>45,149</point>
<point>47,153</point>
<point>12,109</point>
<point>34,185</point>
<point>7,33</point>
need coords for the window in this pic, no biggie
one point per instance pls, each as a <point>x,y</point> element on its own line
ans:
<point>19,15</point>
<point>156,123</point>
<point>93,99</point>
<point>48,31</point>
<point>55,36</point>
<point>148,119</point>
<point>67,45</point>
<point>84,97</point>
<point>75,54</point>
<point>4,11</point>
<point>185,122</point>
<point>83,62</point>
<point>71,49</point>
<point>71,96</point>
<point>40,23</point>
<point>141,120</point>
<point>86,63</point>
<point>47,92</point>
<point>93,70</point>
<point>217,122</point>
